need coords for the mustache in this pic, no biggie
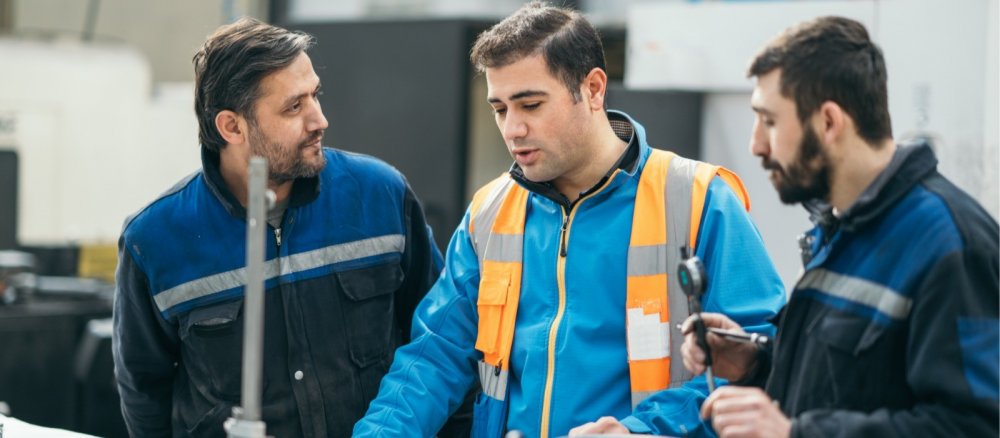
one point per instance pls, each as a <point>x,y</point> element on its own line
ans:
<point>770,165</point>
<point>318,136</point>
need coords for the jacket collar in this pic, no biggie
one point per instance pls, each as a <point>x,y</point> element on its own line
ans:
<point>304,190</point>
<point>627,130</point>
<point>909,165</point>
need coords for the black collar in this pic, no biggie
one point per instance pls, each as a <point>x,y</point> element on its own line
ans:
<point>628,161</point>
<point>304,190</point>
<point>909,165</point>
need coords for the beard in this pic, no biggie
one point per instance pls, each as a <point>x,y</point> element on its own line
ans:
<point>805,179</point>
<point>284,162</point>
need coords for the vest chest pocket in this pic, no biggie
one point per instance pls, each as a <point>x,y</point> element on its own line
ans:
<point>493,290</point>
<point>858,359</point>
<point>368,310</point>
<point>212,340</point>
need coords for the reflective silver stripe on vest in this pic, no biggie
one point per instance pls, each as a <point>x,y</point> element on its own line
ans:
<point>680,181</point>
<point>487,215</point>
<point>493,381</point>
<point>647,260</point>
<point>677,203</point>
<point>287,265</point>
<point>504,247</point>
<point>858,290</point>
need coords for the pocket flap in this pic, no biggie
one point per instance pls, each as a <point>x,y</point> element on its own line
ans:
<point>365,283</point>
<point>212,315</point>
<point>850,334</point>
<point>493,287</point>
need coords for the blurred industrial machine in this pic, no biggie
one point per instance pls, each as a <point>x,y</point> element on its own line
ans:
<point>404,91</point>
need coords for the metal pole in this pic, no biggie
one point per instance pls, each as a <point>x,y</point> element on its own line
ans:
<point>253,328</point>
<point>246,421</point>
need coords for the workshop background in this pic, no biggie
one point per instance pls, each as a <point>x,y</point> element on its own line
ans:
<point>96,119</point>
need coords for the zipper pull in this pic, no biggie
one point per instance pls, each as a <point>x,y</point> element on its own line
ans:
<point>562,236</point>
<point>277,236</point>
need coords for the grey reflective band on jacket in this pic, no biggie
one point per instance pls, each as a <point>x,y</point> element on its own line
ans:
<point>647,260</point>
<point>486,216</point>
<point>281,266</point>
<point>499,248</point>
<point>677,203</point>
<point>858,290</point>
<point>493,381</point>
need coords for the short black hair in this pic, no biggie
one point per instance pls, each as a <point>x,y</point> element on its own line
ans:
<point>230,66</point>
<point>831,59</point>
<point>570,45</point>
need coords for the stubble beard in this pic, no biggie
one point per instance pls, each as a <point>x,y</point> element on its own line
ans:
<point>805,179</point>
<point>286,164</point>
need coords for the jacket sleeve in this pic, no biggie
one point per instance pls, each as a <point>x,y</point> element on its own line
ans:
<point>421,262</point>
<point>145,351</point>
<point>952,357</point>
<point>742,284</point>
<point>431,375</point>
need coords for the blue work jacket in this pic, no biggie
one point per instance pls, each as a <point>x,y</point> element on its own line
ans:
<point>569,348</point>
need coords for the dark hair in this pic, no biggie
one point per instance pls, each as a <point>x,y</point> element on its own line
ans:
<point>570,45</point>
<point>230,65</point>
<point>831,59</point>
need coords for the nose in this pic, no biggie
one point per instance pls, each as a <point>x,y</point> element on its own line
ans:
<point>513,127</point>
<point>759,143</point>
<point>317,121</point>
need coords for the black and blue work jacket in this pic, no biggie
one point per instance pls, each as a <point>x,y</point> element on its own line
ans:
<point>344,272</point>
<point>892,329</point>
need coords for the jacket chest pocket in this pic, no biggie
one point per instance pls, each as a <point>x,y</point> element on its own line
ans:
<point>368,311</point>
<point>858,361</point>
<point>212,338</point>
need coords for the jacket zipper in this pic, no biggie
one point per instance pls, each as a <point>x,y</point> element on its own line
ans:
<point>277,236</point>
<point>561,280</point>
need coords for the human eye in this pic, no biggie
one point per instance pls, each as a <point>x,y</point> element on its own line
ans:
<point>295,107</point>
<point>500,111</point>
<point>532,105</point>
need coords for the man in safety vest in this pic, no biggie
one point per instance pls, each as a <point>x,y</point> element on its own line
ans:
<point>892,328</point>
<point>558,293</point>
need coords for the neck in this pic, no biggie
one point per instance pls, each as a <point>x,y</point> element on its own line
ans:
<point>234,172</point>
<point>605,152</point>
<point>856,170</point>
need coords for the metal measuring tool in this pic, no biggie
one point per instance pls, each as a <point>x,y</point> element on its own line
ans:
<point>693,279</point>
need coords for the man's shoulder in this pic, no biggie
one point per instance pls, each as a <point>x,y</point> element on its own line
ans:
<point>360,166</point>
<point>167,203</point>
<point>945,205</point>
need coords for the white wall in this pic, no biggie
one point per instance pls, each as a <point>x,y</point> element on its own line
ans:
<point>941,57</point>
<point>166,32</point>
<point>93,145</point>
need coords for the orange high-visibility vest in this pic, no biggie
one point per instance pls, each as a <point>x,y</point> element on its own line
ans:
<point>652,302</point>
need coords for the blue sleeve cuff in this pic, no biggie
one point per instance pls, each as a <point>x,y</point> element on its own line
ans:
<point>635,426</point>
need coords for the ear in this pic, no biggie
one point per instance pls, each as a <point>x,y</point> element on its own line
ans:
<point>231,126</point>
<point>833,122</point>
<point>595,88</point>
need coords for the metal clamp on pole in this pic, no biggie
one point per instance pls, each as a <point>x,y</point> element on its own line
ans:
<point>694,279</point>
<point>246,420</point>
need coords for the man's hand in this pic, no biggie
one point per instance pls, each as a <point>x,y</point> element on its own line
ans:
<point>731,360</point>
<point>603,426</point>
<point>739,411</point>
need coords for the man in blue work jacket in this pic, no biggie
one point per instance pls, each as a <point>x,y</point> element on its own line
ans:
<point>348,257</point>
<point>892,329</point>
<point>554,298</point>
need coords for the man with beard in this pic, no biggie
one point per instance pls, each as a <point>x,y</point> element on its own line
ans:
<point>348,257</point>
<point>892,328</point>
